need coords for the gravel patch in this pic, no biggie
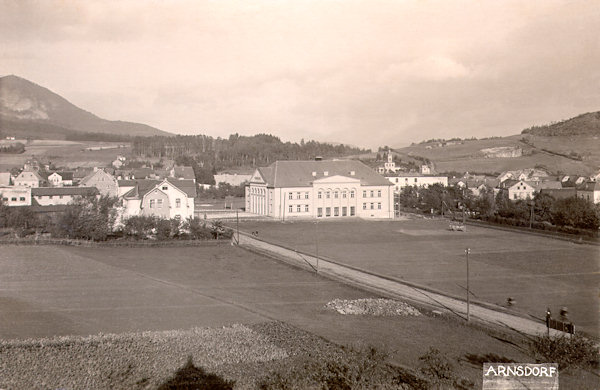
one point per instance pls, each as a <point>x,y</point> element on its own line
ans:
<point>130,360</point>
<point>372,307</point>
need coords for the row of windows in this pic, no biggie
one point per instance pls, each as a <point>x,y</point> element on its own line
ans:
<point>158,203</point>
<point>372,193</point>
<point>372,206</point>
<point>406,180</point>
<point>14,199</point>
<point>336,211</point>
<point>299,208</point>
<point>336,194</point>
<point>298,195</point>
<point>254,190</point>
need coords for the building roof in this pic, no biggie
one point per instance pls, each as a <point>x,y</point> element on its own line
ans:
<point>82,191</point>
<point>550,185</point>
<point>589,186</point>
<point>35,174</point>
<point>184,172</point>
<point>127,183</point>
<point>5,179</point>
<point>63,175</point>
<point>142,187</point>
<point>300,173</point>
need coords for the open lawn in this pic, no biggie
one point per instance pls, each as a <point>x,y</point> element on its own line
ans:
<point>60,290</point>
<point>537,272</point>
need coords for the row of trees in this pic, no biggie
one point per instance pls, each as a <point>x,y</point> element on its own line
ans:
<point>542,211</point>
<point>95,219</point>
<point>237,150</point>
<point>15,148</point>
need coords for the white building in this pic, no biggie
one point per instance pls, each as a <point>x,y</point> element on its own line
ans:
<point>53,196</point>
<point>15,195</point>
<point>408,180</point>
<point>59,179</point>
<point>169,198</point>
<point>520,189</point>
<point>319,189</point>
<point>589,191</point>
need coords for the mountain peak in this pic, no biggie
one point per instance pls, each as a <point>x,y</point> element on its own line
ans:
<point>23,102</point>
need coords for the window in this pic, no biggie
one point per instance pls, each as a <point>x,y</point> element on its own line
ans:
<point>14,199</point>
<point>319,195</point>
<point>165,188</point>
<point>336,211</point>
<point>298,208</point>
<point>378,206</point>
<point>344,194</point>
<point>344,211</point>
<point>415,179</point>
<point>372,206</point>
<point>291,209</point>
<point>151,203</point>
<point>515,196</point>
<point>306,195</point>
<point>364,206</point>
<point>290,195</point>
<point>352,211</point>
<point>60,196</point>
<point>372,194</point>
<point>5,199</point>
<point>306,208</point>
<point>379,193</point>
<point>352,194</point>
<point>335,195</point>
<point>159,203</point>
<point>364,194</point>
<point>50,197</point>
<point>177,203</point>
<point>319,212</point>
<point>328,211</point>
<point>327,195</point>
<point>297,195</point>
<point>396,180</point>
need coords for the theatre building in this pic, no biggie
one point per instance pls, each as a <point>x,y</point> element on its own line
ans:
<point>319,189</point>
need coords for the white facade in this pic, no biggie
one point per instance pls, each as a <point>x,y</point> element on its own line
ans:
<point>400,182</point>
<point>326,196</point>
<point>521,190</point>
<point>164,199</point>
<point>15,196</point>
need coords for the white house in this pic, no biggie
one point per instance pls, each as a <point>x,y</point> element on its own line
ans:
<point>169,198</point>
<point>103,181</point>
<point>59,179</point>
<point>520,189</point>
<point>589,191</point>
<point>401,181</point>
<point>30,178</point>
<point>53,196</point>
<point>15,195</point>
<point>319,189</point>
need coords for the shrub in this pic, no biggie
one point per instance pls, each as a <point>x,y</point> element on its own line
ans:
<point>567,351</point>
<point>438,368</point>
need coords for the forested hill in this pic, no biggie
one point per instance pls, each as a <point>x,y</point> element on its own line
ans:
<point>237,150</point>
<point>585,124</point>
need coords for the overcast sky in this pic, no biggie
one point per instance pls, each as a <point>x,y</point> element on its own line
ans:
<point>368,73</point>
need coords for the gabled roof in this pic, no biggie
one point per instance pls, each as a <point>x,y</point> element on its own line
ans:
<point>549,185</point>
<point>589,186</point>
<point>142,187</point>
<point>300,173</point>
<point>82,191</point>
<point>5,179</point>
<point>35,174</point>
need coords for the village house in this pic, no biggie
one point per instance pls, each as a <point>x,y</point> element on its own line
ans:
<point>169,198</point>
<point>103,181</point>
<point>319,189</point>
<point>589,191</point>
<point>53,196</point>
<point>416,180</point>
<point>31,179</point>
<point>519,189</point>
<point>15,195</point>
<point>60,179</point>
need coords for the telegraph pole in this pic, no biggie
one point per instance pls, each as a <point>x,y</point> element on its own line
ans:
<point>317,242</point>
<point>467,251</point>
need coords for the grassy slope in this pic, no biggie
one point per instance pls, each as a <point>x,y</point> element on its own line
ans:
<point>468,156</point>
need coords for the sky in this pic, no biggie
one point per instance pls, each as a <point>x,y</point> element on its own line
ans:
<point>362,72</point>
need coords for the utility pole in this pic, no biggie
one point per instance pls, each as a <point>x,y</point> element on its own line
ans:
<point>237,225</point>
<point>531,218</point>
<point>467,251</point>
<point>317,242</point>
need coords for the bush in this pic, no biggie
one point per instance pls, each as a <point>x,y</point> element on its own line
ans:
<point>568,351</point>
<point>438,368</point>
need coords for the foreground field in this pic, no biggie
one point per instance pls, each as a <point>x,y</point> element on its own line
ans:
<point>51,291</point>
<point>537,272</point>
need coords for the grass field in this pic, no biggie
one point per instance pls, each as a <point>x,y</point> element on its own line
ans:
<point>59,290</point>
<point>537,272</point>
